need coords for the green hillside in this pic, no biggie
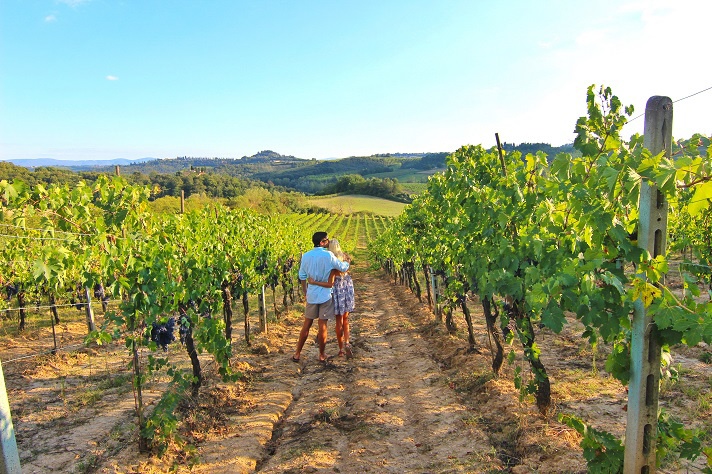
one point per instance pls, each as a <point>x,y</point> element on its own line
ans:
<point>271,178</point>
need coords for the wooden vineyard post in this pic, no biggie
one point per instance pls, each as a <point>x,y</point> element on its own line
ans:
<point>182,201</point>
<point>436,296</point>
<point>434,306</point>
<point>501,157</point>
<point>138,394</point>
<point>643,389</point>
<point>54,334</point>
<point>263,310</point>
<point>428,285</point>
<point>246,307</point>
<point>90,312</point>
<point>10,459</point>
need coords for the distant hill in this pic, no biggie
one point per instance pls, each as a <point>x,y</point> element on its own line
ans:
<point>74,164</point>
<point>246,166</point>
<point>305,175</point>
<point>314,176</point>
<point>309,176</point>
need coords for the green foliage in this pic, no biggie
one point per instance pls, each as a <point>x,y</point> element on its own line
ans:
<point>676,441</point>
<point>532,148</point>
<point>618,361</point>
<point>603,452</point>
<point>161,427</point>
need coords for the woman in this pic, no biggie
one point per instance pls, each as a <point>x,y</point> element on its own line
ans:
<point>343,296</point>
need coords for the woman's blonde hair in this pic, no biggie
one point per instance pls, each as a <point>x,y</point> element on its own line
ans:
<point>335,248</point>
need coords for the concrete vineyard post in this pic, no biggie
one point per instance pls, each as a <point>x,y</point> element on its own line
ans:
<point>90,312</point>
<point>10,459</point>
<point>643,389</point>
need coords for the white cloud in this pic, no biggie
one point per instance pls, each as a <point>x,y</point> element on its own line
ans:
<point>591,37</point>
<point>50,18</point>
<point>73,3</point>
<point>112,78</point>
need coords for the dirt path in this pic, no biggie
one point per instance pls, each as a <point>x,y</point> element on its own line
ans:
<point>388,409</point>
<point>411,400</point>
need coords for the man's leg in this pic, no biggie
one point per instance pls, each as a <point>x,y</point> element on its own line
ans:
<point>303,334</point>
<point>321,337</point>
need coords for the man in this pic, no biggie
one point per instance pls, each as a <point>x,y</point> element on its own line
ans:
<point>317,264</point>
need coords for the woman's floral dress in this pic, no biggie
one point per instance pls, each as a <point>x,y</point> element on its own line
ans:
<point>343,294</point>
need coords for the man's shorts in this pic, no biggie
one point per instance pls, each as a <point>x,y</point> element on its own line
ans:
<point>321,310</point>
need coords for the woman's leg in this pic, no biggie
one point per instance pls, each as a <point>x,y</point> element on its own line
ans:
<point>340,333</point>
<point>347,342</point>
<point>345,327</point>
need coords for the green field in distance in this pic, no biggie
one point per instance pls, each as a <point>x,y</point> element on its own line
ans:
<point>352,203</point>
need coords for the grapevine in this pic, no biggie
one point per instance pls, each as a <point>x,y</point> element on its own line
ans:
<point>540,238</point>
<point>165,270</point>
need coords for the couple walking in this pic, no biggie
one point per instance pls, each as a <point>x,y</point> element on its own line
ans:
<point>330,294</point>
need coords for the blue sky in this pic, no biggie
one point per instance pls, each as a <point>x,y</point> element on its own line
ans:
<point>101,79</point>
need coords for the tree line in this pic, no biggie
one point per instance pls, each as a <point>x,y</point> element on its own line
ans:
<point>387,188</point>
<point>193,183</point>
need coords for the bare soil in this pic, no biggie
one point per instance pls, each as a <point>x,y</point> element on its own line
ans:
<point>413,399</point>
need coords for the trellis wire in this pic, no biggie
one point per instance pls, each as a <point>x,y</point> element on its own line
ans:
<point>37,354</point>
<point>35,238</point>
<point>29,308</point>
<point>674,101</point>
<point>13,226</point>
